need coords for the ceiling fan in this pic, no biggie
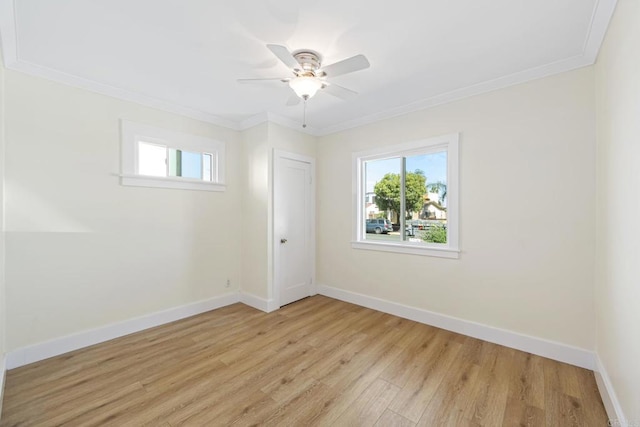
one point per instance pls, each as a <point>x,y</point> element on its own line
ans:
<point>309,75</point>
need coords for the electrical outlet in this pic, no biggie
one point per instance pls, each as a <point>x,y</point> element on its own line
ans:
<point>228,283</point>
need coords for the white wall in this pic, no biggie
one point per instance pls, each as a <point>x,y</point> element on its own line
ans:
<point>528,151</point>
<point>82,251</point>
<point>257,253</point>
<point>618,230</point>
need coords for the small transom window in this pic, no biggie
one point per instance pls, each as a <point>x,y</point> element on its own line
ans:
<point>154,157</point>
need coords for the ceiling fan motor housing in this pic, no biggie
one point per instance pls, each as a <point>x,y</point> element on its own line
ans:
<point>308,60</point>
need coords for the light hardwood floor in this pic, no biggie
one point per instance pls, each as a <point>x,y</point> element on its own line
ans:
<point>315,362</point>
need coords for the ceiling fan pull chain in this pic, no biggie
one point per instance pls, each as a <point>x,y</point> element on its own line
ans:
<point>304,114</point>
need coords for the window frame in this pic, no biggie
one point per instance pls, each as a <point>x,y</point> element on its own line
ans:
<point>448,143</point>
<point>132,133</point>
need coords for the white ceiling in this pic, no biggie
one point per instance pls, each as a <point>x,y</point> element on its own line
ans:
<point>185,55</point>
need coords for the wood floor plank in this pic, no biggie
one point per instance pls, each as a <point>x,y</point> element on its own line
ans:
<point>559,377</point>
<point>426,378</point>
<point>107,373</point>
<point>488,400</point>
<point>315,362</point>
<point>518,413</point>
<point>297,411</point>
<point>391,419</point>
<point>369,406</point>
<point>448,404</point>
<point>364,372</point>
<point>527,385</point>
<point>401,370</point>
<point>589,394</point>
<point>241,380</point>
<point>289,385</point>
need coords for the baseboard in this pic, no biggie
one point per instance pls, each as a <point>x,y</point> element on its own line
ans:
<point>266,305</point>
<point>609,397</point>
<point>541,347</point>
<point>58,346</point>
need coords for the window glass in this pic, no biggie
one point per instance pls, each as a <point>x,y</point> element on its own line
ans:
<point>426,198</point>
<point>192,165</point>
<point>382,199</point>
<point>188,164</point>
<point>157,160</point>
<point>423,184</point>
<point>152,159</point>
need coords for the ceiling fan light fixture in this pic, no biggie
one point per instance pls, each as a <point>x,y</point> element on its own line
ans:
<point>305,86</point>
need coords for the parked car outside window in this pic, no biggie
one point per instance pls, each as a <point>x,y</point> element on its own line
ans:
<point>379,226</point>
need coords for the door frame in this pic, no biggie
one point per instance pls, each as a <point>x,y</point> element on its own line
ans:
<point>278,156</point>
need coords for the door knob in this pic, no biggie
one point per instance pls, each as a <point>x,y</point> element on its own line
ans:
<point>283,240</point>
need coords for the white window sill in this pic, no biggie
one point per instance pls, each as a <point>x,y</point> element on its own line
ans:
<point>173,183</point>
<point>407,249</point>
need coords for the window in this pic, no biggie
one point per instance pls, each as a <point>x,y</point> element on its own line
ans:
<point>406,198</point>
<point>154,157</point>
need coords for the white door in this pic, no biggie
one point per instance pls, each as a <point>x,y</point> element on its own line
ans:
<point>294,228</point>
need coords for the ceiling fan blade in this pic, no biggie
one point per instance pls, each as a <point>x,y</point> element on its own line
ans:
<point>293,100</point>
<point>283,55</point>
<point>282,79</point>
<point>349,65</point>
<point>339,91</point>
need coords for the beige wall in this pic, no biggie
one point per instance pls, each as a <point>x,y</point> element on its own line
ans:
<point>84,251</point>
<point>618,230</point>
<point>255,200</point>
<point>2,231</point>
<point>257,253</point>
<point>527,177</point>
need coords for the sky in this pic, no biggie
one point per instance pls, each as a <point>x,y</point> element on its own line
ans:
<point>434,166</point>
<point>191,165</point>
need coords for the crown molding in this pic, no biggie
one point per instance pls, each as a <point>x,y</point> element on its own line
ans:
<point>118,93</point>
<point>601,16</point>
<point>602,13</point>
<point>254,120</point>
<point>9,39</point>
<point>466,92</point>
<point>8,33</point>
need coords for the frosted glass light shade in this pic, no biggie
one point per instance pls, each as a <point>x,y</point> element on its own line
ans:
<point>305,86</point>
